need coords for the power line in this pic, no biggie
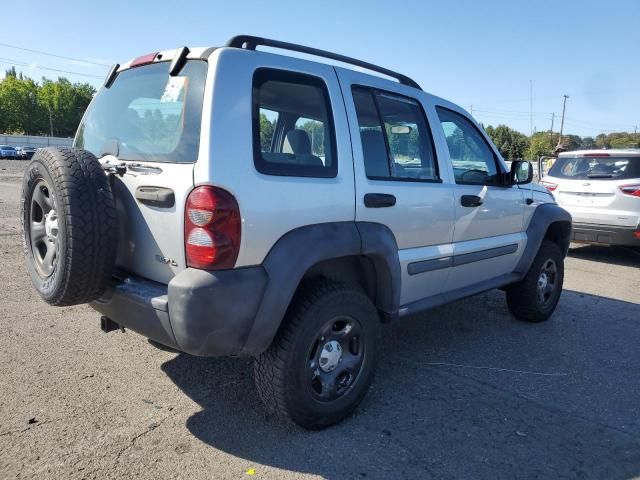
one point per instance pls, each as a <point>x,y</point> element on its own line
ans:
<point>515,112</point>
<point>519,116</point>
<point>589,124</point>
<point>12,62</point>
<point>40,52</point>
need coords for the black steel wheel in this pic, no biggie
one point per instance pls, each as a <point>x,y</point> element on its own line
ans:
<point>322,362</point>
<point>536,296</point>
<point>336,358</point>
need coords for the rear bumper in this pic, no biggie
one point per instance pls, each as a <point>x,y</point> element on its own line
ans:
<point>199,312</point>
<point>604,234</point>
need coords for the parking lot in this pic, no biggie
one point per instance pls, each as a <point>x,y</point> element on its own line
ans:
<point>463,391</point>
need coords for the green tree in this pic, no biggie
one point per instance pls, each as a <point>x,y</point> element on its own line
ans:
<point>266,132</point>
<point>20,112</point>
<point>65,102</point>
<point>512,144</point>
<point>27,107</point>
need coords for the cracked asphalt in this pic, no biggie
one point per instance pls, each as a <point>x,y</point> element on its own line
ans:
<point>463,391</point>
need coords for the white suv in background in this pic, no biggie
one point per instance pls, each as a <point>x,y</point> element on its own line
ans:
<point>601,190</point>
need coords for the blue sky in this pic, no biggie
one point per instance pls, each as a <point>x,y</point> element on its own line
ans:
<point>480,53</point>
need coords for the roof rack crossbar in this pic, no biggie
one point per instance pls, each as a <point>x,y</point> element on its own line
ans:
<point>250,42</point>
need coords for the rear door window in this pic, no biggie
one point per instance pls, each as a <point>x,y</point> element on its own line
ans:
<point>596,167</point>
<point>396,141</point>
<point>147,115</point>
<point>293,132</point>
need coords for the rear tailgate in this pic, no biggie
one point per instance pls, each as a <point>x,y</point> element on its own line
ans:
<point>597,202</point>
<point>150,242</point>
<point>149,122</point>
<point>589,187</point>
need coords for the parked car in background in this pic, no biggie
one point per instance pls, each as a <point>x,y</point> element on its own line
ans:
<point>7,151</point>
<point>601,190</point>
<point>25,153</point>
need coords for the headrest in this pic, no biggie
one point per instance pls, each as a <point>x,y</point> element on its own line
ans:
<point>297,142</point>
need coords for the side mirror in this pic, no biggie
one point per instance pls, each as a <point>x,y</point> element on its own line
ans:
<point>521,172</point>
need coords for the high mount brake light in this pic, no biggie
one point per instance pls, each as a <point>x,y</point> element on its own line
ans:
<point>212,228</point>
<point>144,59</point>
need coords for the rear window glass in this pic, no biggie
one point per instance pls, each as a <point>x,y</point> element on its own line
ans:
<point>147,115</point>
<point>583,168</point>
<point>292,125</point>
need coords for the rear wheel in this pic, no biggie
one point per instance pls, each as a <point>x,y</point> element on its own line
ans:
<point>322,362</point>
<point>68,225</point>
<point>535,297</point>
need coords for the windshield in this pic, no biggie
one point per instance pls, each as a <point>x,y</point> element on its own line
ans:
<point>583,168</point>
<point>147,115</point>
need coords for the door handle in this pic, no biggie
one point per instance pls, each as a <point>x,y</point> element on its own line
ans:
<point>470,201</point>
<point>156,196</point>
<point>379,200</point>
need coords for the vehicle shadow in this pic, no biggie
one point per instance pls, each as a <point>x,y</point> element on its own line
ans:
<point>623,256</point>
<point>464,391</point>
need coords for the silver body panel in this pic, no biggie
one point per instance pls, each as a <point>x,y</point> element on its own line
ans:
<point>270,205</point>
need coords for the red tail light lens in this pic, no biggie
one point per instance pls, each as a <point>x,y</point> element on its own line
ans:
<point>211,229</point>
<point>633,190</point>
<point>549,185</point>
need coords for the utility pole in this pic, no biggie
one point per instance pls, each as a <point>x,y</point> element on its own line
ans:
<point>564,104</point>
<point>471,110</point>
<point>553,114</point>
<point>635,135</point>
<point>531,120</point>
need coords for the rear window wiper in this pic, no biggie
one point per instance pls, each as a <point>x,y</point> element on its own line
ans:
<point>600,175</point>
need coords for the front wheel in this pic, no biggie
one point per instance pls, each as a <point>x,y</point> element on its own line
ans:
<point>322,362</point>
<point>536,296</point>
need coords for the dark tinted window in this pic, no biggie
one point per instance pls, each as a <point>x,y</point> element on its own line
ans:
<point>292,125</point>
<point>148,115</point>
<point>583,168</point>
<point>396,141</point>
<point>473,160</point>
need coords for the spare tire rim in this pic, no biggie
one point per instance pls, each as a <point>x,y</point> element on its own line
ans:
<point>43,228</point>
<point>547,281</point>
<point>335,358</point>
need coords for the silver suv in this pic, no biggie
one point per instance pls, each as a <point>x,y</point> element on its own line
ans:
<point>601,190</point>
<point>229,201</point>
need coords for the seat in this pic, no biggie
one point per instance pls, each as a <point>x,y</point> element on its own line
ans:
<point>297,142</point>
<point>374,150</point>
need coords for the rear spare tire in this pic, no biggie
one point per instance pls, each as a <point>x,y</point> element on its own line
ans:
<point>69,227</point>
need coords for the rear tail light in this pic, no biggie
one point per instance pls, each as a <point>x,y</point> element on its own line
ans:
<point>549,185</point>
<point>211,229</point>
<point>633,190</point>
<point>637,234</point>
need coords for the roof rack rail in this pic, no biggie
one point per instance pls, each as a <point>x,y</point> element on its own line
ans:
<point>250,42</point>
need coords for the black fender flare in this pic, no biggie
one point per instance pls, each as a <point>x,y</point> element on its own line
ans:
<point>543,217</point>
<point>298,250</point>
